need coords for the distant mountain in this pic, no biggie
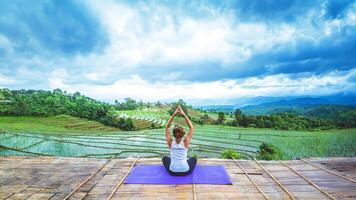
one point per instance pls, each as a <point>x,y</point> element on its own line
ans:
<point>246,101</point>
<point>269,105</point>
<point>300,105</point>
<point>240,102</point>
<point>334,100</point>
<point>223,108</point>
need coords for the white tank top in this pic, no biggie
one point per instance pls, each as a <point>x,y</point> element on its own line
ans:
<point>178,157</point>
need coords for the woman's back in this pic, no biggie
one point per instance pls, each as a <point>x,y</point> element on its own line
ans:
<point>177,164</point>
<point>178,157</point>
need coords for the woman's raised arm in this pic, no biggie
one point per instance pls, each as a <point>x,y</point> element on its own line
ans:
<point>191,128</point>
<point>168,125</point>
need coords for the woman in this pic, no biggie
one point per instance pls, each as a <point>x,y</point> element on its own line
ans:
<point>177,164</point>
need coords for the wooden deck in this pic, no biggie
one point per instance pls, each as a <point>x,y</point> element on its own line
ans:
<point>84,178</point>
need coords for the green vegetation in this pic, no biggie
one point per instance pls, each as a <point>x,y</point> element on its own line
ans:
<point>298,144</point>
<point>61,124</point>
<point>206,119</point>
<point>341,116</point>
<point>133,115</point>
<point>267,152</point>
<point>221,118</point>
<point>155,116</point>
<point>55,136</point>
<point>129,104</point>
<point>283,121</point>
<point>127,115</point>
<point>57,102</point>
<point>230,154</point>
<point>56,123</point>
<point>182,104</point>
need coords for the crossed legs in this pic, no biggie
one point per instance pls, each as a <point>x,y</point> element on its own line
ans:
<point>191,162</point>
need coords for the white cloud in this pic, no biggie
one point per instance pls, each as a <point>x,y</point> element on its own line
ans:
<point>6,81</point>
<point>5,45</point>
<point>151,50</point>
<point>160,37</point>
<point>57,78</point>
<point>215,91</point>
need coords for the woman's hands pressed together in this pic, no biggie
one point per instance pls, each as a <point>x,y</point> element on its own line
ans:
<point>180,110</point>
<point>177,110</point>
<point>186,118</point>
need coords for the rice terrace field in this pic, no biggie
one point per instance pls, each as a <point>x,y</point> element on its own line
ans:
<point>75,137</point>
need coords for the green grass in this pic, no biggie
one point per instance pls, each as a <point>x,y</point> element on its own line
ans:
<point>152,112</point>
<point>144,117</point>
<point>68,136</point>
<point>57,124</point>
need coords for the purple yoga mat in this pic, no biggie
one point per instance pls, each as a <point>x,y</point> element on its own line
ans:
<point>157,174</point>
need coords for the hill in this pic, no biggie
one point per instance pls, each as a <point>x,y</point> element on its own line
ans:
<point>264,104</point>
<point>133,115</point>
<point>311,108</point>
<point>127,115</point>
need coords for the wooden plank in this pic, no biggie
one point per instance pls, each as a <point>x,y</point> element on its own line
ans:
<point>6,195</point>
<point>309,181</point>
<point>122,180</point>
<point>331,172</point>
<point>194,193</point>
<point>253,182</point>
<point>279,183</point>
<point>40,196</point>
<point>87,179</point>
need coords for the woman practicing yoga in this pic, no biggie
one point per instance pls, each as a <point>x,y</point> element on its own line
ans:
<point>177,164</point>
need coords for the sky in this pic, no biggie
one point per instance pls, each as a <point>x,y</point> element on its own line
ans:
<point>205,52</point>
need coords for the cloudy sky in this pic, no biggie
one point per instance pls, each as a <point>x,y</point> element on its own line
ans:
<point>200,51</point>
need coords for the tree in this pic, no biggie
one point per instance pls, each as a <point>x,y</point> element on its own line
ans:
<point>221,118</point>
<point>159,104</point>
<point>260,123</point>
<point>268,152</point>
<point>141,104</point>
<point>126,124</point>
<point>128,104</point>
<point>238,115</point>
<point>268,124</point>
<point>205,119</point>
<point>182,104</point>
<point>244,121</point>
<point>2,97</point>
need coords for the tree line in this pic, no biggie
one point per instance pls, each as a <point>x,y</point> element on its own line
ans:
<point>58,102</point>
<point>283,121</point>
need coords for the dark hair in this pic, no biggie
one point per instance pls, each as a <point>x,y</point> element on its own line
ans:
<point>178,131</point>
